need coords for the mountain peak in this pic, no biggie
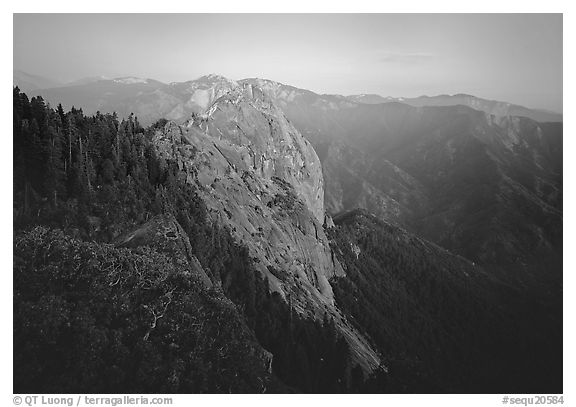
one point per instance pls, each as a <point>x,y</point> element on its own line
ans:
<point>212,78</point>
<point>246,92</point>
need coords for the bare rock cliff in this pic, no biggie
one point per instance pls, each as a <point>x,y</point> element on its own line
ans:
<point>263,181</point>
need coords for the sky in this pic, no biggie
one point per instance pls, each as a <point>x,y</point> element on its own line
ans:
<point>511,57</point>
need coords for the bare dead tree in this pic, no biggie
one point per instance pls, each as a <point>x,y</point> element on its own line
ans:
<point>158,315</point>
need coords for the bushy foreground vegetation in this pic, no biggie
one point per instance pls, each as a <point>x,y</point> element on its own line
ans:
<point>90,317</point>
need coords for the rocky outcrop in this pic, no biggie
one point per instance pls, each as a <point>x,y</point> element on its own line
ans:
<point>198,95</point>
<point>165,234</point>
<point>266,142</point>
<point>262,180</point>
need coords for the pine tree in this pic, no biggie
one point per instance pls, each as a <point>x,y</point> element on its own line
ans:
<point>55,176</point>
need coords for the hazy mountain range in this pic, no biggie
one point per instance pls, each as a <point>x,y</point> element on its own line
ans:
<point>151,100</point>
<point>493,107</point>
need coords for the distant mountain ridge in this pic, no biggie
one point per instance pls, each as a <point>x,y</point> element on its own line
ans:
<point>148,99</point>
<point>28,83</point>
<point>151,100</point>
<point>493,107</point>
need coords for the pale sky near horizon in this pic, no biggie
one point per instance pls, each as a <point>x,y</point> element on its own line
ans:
<point>511,57</point>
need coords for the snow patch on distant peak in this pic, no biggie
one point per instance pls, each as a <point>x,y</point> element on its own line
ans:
<point>130,80</point>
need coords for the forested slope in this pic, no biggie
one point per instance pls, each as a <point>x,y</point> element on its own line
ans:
<point>444,323</point>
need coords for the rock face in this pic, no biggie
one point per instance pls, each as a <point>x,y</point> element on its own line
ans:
<point>267,142</point>
<point>197,95</point>
<point>263,181</point>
